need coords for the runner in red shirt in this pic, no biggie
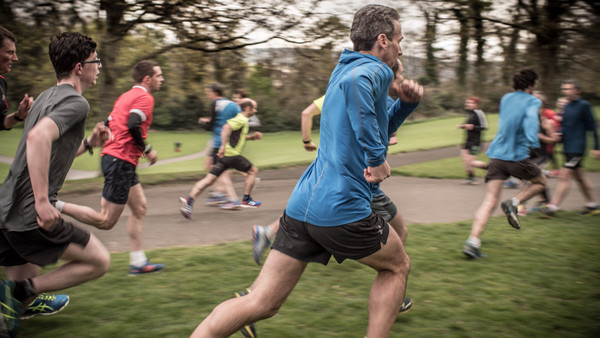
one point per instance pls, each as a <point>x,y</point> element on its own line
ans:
<point>129,122</point>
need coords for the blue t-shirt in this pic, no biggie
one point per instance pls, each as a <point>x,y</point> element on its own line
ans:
<point>578,119</point>
<point>225,110</point>
<point>518,127</point>
<point>353,136</point>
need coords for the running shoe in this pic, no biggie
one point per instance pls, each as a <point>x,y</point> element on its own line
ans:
<point>472,251</point>
<point>511,213</point>
<point>186,209</point>
<point>471,181</point>
<point>510,185</point>
<point>250,203</point>
<point>10,309</point>
<point>215,199</point>
<point>46,304</point>
<point>145,269</point>
<point>231,205</point>
<point>260,242</point>
<point>249,331</point>
<point>547,210</point>
<point>406,305</point>
<point>589,211</point>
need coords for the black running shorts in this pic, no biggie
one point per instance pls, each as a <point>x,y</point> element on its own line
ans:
<point>239,163</point>
<point>383,206</point>
<point>311,243</point>
<point>119,177</point>
<point>39,246</point>
<point>501,170</point>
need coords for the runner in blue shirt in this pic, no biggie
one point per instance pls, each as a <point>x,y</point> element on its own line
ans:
<point>329,212</point>
<point>518,127</point>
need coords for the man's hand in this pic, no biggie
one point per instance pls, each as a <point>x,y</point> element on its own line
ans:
<point>48,215</point>
<point>221,152</point>
<point>378,174</point>
<point>203,120</point>
<point>100,134</point>
<point>152,156</point>
<point>24,106</point>
<point>257,135</point>
<point>310,146</point>
<point>410,91</point>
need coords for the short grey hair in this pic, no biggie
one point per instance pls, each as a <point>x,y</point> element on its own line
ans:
<point>575,84</point>
<point>369,22</point>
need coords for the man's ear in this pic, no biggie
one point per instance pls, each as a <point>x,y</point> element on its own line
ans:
<point>382,40</point>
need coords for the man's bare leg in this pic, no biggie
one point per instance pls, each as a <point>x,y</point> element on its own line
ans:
<point>83,264</point>
<point>276,280</point>
<point>387,293</point>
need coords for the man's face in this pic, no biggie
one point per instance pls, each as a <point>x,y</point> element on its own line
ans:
<point>569,91</point>
<point>252,110</point>
<point>210,94</point>
<point>156,80</point>
<point>8,55</point>
<point>90,69</point>
<point>392,48</point>
<point>470,104</point>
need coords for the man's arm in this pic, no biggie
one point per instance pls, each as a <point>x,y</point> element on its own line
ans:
<point>306,123</point>
<point>100,134</point>
<point>225,134</point>
<point>39,147</point>
<point>134,124</point>
<point>13,119</point>
<point>531,124</point>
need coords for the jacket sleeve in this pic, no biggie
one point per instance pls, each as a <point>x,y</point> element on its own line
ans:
<point>590,124</point>
<point>359,95</point>
<point>398,113</point>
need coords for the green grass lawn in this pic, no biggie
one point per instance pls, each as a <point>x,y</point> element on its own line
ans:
<point>453,168</point>
<point>540,281</point>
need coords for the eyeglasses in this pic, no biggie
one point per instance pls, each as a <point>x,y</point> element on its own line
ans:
<point>94,61</point>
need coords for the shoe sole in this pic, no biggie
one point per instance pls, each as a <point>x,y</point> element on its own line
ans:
<point>250,206</point>
<point>406,306</point>
<point>46,313</point>
<point>512,218</point>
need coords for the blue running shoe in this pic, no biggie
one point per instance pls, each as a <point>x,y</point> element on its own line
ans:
<point>249,331</point>
<point>46,304</point>
<point>250,203</point>
<point>10,308</point>
<point>231,205</point>
<point>215,199</point>
<point>145,269</point>
<point>260,242</point>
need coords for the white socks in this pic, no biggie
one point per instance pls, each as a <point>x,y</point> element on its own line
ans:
<point>474,241</point>
<point>59,205</point>
<point>137,258</point>
<point>515,202</point>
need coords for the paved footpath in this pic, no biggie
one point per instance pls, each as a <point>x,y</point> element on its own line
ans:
<point>419,200</point>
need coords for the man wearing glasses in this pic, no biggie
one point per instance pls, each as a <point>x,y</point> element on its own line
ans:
<point>129,122</point>
<point>32,232</point>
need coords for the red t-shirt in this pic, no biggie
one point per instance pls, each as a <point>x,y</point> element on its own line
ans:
<point>135,101</point>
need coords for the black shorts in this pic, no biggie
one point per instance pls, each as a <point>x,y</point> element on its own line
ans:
<point>239,163</point>
<point>473,148</point>
<point>213,155</point>
<point>501,170</point>
<point>40,247</point>
<point>311,243</point>
<point>119,177</point>
<point>383,206</point>
<point>573,161</point>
